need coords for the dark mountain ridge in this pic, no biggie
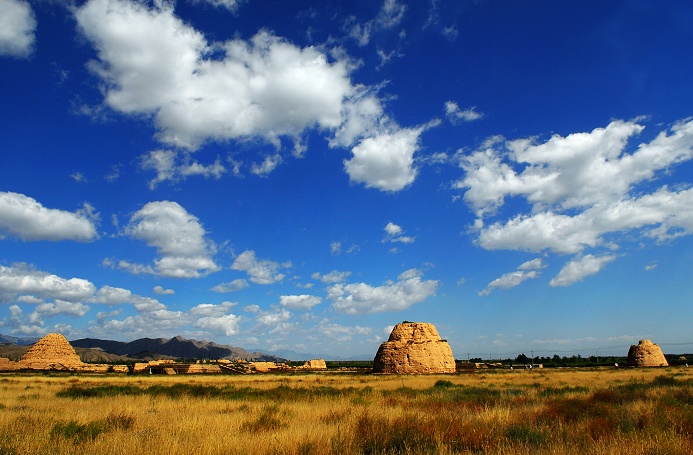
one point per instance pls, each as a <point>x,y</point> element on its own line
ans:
<point>25,341</point>
<point>178,347</point>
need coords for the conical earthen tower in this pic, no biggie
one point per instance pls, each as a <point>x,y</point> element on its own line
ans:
<point>646,354</point>
<point>414,348</point>
<point>51,352</point>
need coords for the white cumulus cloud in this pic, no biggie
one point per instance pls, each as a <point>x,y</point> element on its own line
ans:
<point>579,189</point>
<point>23,279</point>
<point>260,271</point>
<point>395,233</point>
<point>216,318</point>
<point>153,65</point>
<point>170,165</point>
<point>227,324</point>
<point>340,333</point>
<point>23,217</point>
<point>577,171</point>
<point>211,310</point>
<point>386,161</point>
<point>232,286</point>
<point>334,276</point>
<point>108,295</point>
<point>75,309</point>
<point>277,318</point>
<point>178,237</point>
<point>360,298</point>
<point>161,291</point>
<point>389,16</point>
<point>269,164</point>
<point>579,268</point>
<point>299,302</point>
<point>231,5</point>
<point>526,271</point>
<point>52,295</point>
<point>455,115</point>
<point>17,28</point>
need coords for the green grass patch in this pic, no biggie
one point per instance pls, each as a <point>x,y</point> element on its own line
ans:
<point>99,391</point>
<point>277,394</point>
<point>268,420</point>
<point>526,435</point>
<point>83,432</point>
<point>551,392</point>
<point>77,432</point>
<point>405,434</point>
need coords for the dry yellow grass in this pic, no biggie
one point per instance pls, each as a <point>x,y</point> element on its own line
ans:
<point>598,411</point>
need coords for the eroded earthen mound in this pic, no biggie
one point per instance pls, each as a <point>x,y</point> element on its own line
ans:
<point>646,354</point>
<point>52,352</point>
<point>414,348</point>
<point>315,364</point>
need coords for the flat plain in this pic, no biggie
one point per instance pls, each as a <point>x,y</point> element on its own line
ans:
<point>557,411</point>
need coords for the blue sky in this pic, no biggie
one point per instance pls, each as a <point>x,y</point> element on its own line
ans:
<point>305,175</point>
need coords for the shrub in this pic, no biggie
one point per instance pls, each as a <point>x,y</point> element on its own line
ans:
<point>268,420</point>
<point>120,421</point>
<point>279,393</point>
<point>477,395</point>
<point>664,381</point>
<point>461,435</point>
<point>307,448</point>
<point>81,432</point>
<point>562,391</point>
<point>601,427</point>
<point>524,434</point>
<point>76,431</point>
<point>339,444</point>
<point>404,434</point>
<point>99,391</point>
<point>334,416</point>
<point>570,410</point>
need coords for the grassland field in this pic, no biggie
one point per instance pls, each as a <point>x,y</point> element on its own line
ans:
<point>549,411</point>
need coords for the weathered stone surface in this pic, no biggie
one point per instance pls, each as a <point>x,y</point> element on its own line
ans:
<point>159,365</point>
<point>646,354</point>
<point>203,369</point>
<point>52,352</point>
<point>315,364</point>
<point>8,365</point>
<point>414,348</point>
<point>94,368</point>
<point>264,367</point>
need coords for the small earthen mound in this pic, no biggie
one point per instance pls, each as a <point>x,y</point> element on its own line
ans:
<point>52,352</point>
<point>646,354</point>
<point>414,348</point>
<point>315,364</point>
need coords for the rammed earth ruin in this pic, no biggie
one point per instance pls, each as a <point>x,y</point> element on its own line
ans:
<point>646,354</point>
<point>414,348</point>
<point>55,353</point>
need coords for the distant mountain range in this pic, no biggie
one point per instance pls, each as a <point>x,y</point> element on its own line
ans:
<point>294,355</point>
<point>18,341</point>
<point>288,354</point>
<point>177,347</point>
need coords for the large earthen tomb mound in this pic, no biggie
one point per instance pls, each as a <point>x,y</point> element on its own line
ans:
<point>52,352</point>
<point>414,348</point>
<point>646,354</point>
